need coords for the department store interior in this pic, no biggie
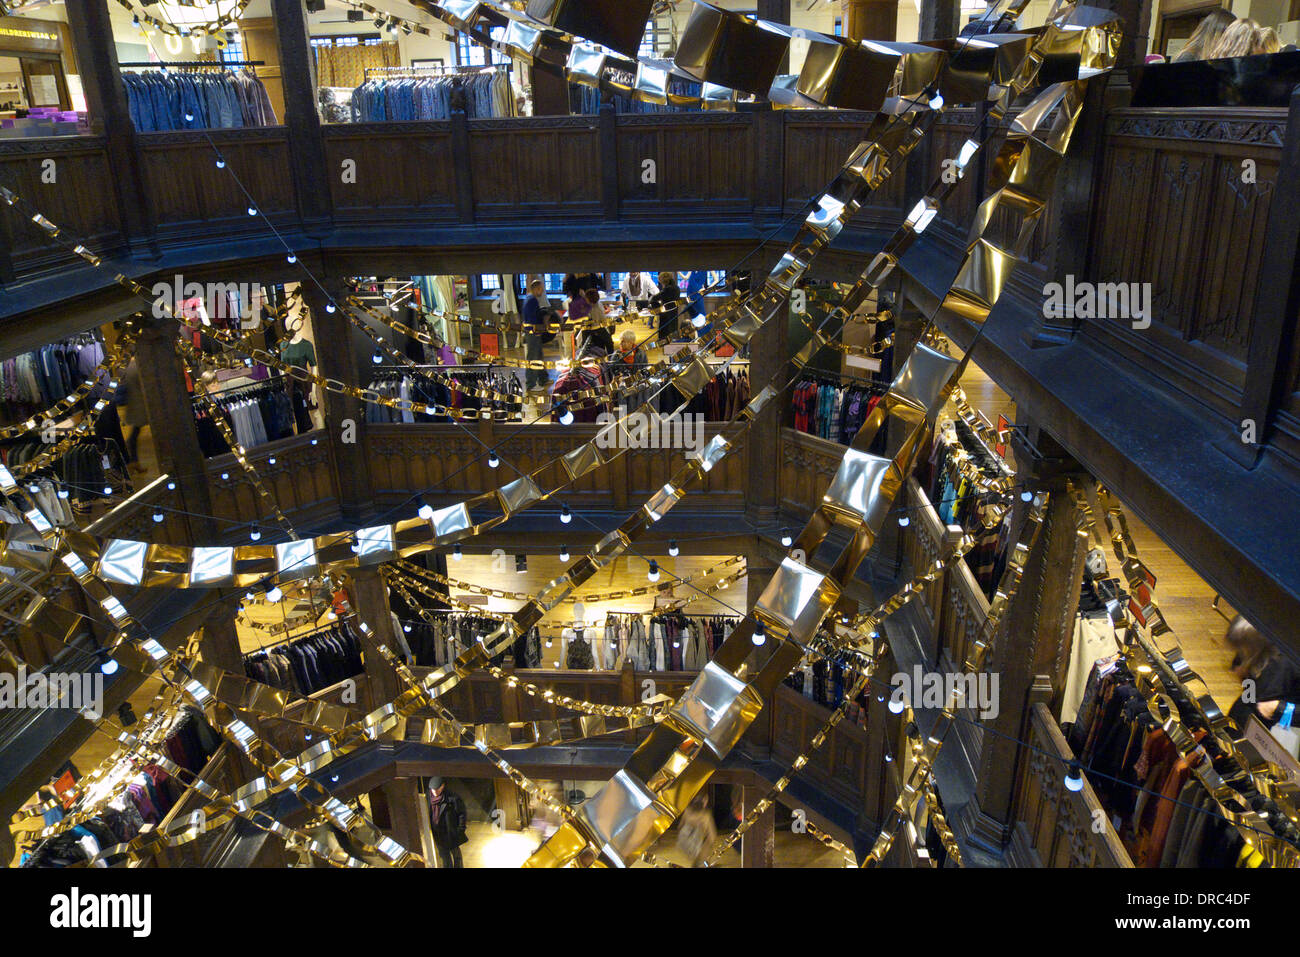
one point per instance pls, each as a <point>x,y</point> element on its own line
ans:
<point>655,434</point>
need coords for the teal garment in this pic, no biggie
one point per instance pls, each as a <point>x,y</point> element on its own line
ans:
<point>301,353</point>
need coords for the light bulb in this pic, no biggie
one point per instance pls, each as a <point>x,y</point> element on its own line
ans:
<point>406,628</point>
<point>904,521</point>
<point>493,461</point>
<point>565,515</point>
<point>566,417</point>
<point>1074,777</point>
<point>292,258</point>
<point>896,705</point>
<point>189,117</point>
<point>786,539</point>
<point>249,597</point>
<point>108,490</point>
<point>759,636</point>
<point>109,666</point>
<point>255,534</point>
<point>698,321</point>
<point>331,308</point>
<point>457,554</point>
<point>221,164</point>
<point>274,594</point>
<point>426,511</point>
<point>673,550</point>
<point>564,553</point>
<point>271,460</point>
<point>936,102</point>
<point>171,486</point>
<point>158,517</point>
<point>252,211</point>
<point>653,573</point>
<point>315,441</point>
<point>33,488</point>
<point>64,494</point>
<point>1026,496</point>
<point>225,476</point>
<point>377,358</point>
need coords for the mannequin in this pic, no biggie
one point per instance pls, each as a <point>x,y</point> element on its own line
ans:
<point>298,351</point>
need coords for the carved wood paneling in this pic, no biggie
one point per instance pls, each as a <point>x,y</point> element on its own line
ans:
<point>80,199</point>
<point>301,481</point>
<point>188,192</point>
<point>1055,826</point>
<point>400,167</point>
<point>808,464</point>
<point>525,168</point>
<point>707,158</point>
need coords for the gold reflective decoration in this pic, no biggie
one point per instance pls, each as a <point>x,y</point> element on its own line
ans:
<point>841,74</point>
<point>716,708</point>
<point>728,49</point>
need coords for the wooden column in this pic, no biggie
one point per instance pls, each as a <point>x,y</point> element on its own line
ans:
<point>758,844</point>
<point>406,824</point>
<point>608,132</point>
<point>300,115</point>
<point>171,422</point>
<point>768,350</point>
<point>1032,648</point>
<point>870,19</point>
<point>109,115</point>
<point>369,596</point>
<point>219,644</point>
<point>940,19</point>
<point>345,417</point>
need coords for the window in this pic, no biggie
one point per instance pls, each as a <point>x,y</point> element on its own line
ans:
<point>839,27</point>
<point>469,53</point>
<point>658,39</point>
<point>554,283</point>
<point>486,284</point>
<point>233,51</point>
<point>616,281</point>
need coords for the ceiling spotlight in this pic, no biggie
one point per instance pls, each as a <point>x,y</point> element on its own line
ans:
<point>759,636</point>
<point>673,550</point>
<point>255,533</point>
<point>565,515</point>
<point>786,539</point>
<point>653,573</point>
<point>564,553</point>
<point>493,461</point>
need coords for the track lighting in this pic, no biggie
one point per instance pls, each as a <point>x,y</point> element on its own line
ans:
<point>457,554</point>
<point>564,553</point>
<point>786,539</point>
<point>653,573</point>
<point>1074,777</point>
<point>425,511</point>
<point>759,636</point>
<point>255,533</point>
<point>565,515</point>
<point>673,550</point>
<point>493,461</point>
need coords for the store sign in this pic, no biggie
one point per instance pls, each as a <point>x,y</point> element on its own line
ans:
<point>1004,428</point>
<point>20,35</point>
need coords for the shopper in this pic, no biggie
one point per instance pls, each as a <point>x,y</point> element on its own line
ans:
<point>448,821</point>
<point>133,414</point>
<point>665,304</point>
<point>579,282</point>
<point>697,833</point>
<point>637,289</point>
<point>1265,40</point>
<point>535,380</point>
<point>1274,682</point>
<point>1236,41</point>
<point>597,336</point>
<point>1205,36</point>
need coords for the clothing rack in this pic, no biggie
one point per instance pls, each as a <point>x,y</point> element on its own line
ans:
<point>276,382</point>
<point>187,64</point>
<point>400,72</point>
<point>289,642</point>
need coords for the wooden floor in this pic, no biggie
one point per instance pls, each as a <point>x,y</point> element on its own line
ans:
<point>1184,597</point>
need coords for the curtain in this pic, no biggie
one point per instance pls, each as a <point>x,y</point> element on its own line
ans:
<point>346,66</point>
